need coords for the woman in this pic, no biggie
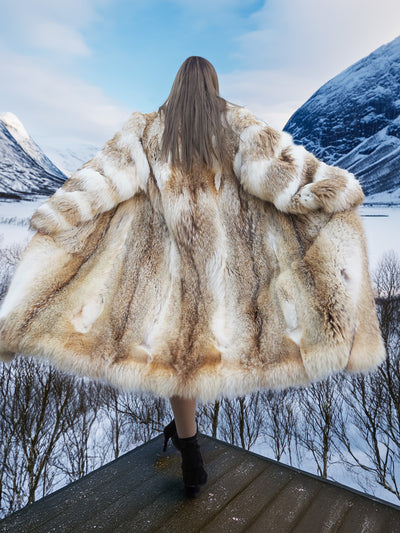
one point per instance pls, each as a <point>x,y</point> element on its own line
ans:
<point>199,254</point>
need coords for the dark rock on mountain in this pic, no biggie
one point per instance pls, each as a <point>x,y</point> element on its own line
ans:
<point>353,121</point>
<point>25,171</point>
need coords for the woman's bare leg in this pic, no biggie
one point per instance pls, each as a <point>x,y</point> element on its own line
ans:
<point>184,413</point>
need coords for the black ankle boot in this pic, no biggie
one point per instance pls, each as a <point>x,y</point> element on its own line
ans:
<point>194,475</point>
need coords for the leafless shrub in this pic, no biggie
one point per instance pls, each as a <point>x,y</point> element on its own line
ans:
<point>208,418</point>
<point>9,257</point>
<point>280,423</point>
<point>370,433</point>
<point>132,418</point>
<point>79,454</point>
<point>15,221</point>
<point>34,397</point>
<point>321,406</point>
<point>240,420</point>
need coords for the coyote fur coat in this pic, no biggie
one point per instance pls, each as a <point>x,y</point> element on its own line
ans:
<point>207,285</point>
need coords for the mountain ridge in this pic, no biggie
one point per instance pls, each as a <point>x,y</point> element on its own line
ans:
<point>25,171</point>
<point>353,121</point>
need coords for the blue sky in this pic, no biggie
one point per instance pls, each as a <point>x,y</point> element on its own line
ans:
<point>73,71</point>
<point>139,46</point>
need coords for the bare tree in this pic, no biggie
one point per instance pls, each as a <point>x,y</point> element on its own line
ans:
<point>321,407</point>
<point>371,451</point>
<point>34,397</point>
<point>78,455</point>
<point>144,415</point>
<point>132,418</point>
<point>373,400</point>
<point>209,416</point>
<point>279,425</point>
<point>241,420</point>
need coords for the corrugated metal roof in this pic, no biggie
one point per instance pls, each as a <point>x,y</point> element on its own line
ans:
<point>143,491</point>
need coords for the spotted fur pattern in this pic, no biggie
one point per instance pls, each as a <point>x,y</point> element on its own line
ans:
<point>213,284</point>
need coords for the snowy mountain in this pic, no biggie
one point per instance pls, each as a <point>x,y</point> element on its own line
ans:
<point>25,171</point>
<point>72,158</point>
<point>17,130</point>
<point>353,121</point>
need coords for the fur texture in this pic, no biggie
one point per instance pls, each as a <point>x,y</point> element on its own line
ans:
<point>206,285</point>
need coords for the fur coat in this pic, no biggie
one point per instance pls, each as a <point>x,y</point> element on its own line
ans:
<point>207,285</point>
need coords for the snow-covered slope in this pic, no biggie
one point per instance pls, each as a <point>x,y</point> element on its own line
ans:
<point>73,157</point>
<point>376,161</point>
<point>17,130</point>
<point>353,121</point>
<point>25,171</point>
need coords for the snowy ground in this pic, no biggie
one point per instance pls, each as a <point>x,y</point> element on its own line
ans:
<point>381,226</point>
<point>14,221</point>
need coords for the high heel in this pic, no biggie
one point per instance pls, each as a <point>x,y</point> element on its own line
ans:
<point>169,433</point>
<point>194,475</point>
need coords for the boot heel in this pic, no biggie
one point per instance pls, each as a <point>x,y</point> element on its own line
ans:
<point>169,433</point>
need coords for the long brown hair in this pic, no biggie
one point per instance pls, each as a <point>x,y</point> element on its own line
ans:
<point>193,131</point>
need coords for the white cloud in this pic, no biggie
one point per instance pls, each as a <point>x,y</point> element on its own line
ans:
<point>55,106</point>
<point>298,46</point>
<point>56,36</point>
<point>45,24</point>
<point>325,36</point>
<point>271,94</point>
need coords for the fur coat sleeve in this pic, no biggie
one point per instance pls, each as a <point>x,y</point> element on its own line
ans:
<point>271,167</point>
<point>206,285</point>
<point>115,174</point>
